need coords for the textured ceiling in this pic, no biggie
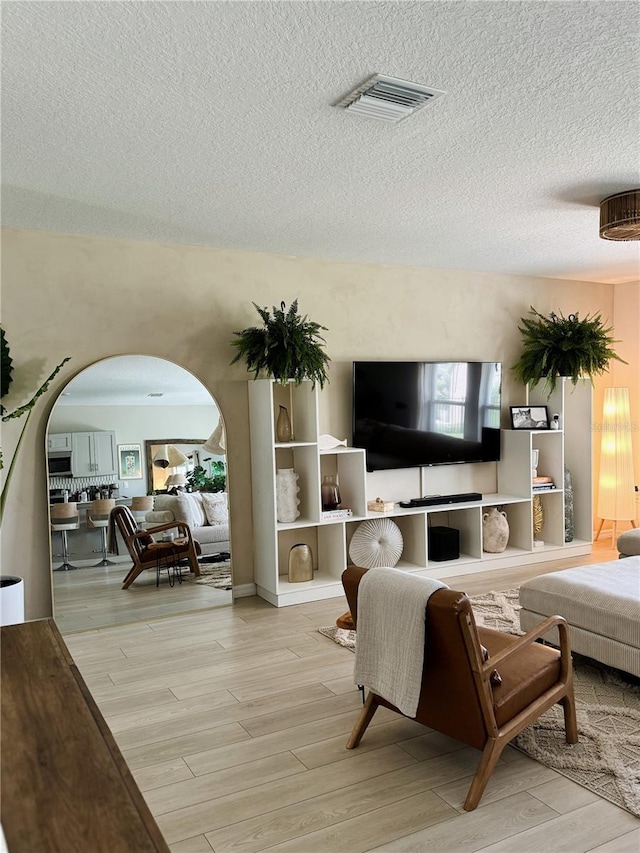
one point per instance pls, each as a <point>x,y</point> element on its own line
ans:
<point>212,123</point>
<point>127,380</point>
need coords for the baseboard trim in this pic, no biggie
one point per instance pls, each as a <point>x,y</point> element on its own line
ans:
<point>245,590</point>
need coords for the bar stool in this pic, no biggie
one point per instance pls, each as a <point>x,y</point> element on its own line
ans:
<point>98,516</point>
<point>64,517</point>
<point>140,506</point>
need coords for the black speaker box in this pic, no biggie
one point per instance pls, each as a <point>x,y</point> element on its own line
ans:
<point>444,543</point>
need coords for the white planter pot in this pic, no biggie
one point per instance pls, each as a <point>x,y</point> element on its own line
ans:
<point>11,600</point>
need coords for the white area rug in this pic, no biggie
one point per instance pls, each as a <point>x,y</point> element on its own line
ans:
<point>606,759</point>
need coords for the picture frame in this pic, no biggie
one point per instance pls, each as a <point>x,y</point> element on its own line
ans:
<point>529,417</point>
<point>129,462</point>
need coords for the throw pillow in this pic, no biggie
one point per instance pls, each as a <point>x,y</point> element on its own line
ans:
<point>215,507</point>
<point>199,517</point>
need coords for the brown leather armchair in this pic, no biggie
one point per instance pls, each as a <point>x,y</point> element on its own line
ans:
<point>147,554</point>
<point>457,697</point>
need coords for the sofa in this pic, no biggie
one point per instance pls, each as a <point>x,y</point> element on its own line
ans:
<point>601,603</point>
<point>206,513</point>
<point>628,543</point>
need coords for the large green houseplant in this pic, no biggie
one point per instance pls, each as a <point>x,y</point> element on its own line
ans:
<point>200,481</point>
<point>556,346</point>
<point>287,346</point>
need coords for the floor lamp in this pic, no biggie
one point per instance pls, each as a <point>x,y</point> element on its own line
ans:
<point>616,497</point>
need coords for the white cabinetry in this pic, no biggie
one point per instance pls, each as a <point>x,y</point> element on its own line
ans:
<point>59,442</point>
<point>329,539</point>
<point>94,454</point>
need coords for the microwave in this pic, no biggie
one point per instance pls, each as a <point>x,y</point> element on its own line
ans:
<point>59,464</point>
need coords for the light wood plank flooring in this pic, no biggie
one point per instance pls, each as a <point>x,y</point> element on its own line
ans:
<point>92,597</point>
<point>234,721</point>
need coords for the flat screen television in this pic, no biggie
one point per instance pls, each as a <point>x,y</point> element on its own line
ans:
<point>409,414</point>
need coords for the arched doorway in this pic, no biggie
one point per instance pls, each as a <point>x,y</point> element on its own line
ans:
<point>116,406</point>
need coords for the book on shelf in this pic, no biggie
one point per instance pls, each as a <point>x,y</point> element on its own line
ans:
<point>542,487</point>
<point>333,514</point>
<point>538,481</point>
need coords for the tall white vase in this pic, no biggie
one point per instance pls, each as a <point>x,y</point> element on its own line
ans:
<point>287,501</point>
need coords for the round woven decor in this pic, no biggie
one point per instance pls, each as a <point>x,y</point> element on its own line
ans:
<point>377,542</point>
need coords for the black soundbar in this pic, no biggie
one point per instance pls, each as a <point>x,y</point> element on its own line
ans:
<point>433,500</point>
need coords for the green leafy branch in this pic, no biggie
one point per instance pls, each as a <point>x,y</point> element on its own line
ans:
<point>6,365</point>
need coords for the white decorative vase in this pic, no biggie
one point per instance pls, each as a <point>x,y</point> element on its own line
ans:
<point>287,495</point>
<point>495,531</point>
<point>377,542</point>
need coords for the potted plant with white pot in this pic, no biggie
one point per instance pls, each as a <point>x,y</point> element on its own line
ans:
<point>11,586</point>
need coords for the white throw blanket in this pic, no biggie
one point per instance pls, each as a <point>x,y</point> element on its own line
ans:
<point>391,634</point>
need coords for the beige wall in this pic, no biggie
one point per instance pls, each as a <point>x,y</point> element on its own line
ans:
<point>90,297</point>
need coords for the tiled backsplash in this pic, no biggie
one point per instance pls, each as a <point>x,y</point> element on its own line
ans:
<point>77,484</point>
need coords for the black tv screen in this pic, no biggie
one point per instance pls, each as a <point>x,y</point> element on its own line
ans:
<point>409,414</point>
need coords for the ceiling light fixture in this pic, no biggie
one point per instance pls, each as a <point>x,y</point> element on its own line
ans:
<point>620,216</point>
<point>388,98</point>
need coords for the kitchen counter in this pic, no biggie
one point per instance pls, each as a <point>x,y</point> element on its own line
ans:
<point>119,502</point>
<point>84,543</point>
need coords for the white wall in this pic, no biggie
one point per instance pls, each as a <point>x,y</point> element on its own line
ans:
<point>63,296</point>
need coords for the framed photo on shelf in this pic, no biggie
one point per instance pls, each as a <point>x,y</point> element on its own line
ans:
<point>529,417</point>
<point>129,462</point>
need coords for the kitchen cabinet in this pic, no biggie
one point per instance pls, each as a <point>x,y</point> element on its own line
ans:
<point>59,442</point>
<point>93,454</point>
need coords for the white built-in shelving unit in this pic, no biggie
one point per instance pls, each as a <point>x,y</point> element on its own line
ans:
<point>329,540</point>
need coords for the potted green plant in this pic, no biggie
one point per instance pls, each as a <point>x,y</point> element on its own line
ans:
<point>556,346</point>
<point>200,481</point>
<point>287,346</point>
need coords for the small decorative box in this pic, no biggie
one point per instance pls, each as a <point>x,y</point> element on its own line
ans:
<point>380,506</point>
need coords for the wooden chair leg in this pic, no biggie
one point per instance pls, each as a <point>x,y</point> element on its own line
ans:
<point>570,723</point>
<point>365,717</point>
<point>194,565</point>
<point>490,755</point>
<point>133,574</point>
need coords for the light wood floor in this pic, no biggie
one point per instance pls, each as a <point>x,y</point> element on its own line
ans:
<point>92,597</point>
<point>234,722</point>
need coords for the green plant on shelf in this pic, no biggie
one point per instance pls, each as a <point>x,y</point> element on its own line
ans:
<point>287,346</point>
<point>557,346</point>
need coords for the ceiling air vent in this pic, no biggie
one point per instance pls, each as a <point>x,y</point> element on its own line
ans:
<point>388,98</point>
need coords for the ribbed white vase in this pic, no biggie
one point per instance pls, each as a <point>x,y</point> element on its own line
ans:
<point>287,495</point>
